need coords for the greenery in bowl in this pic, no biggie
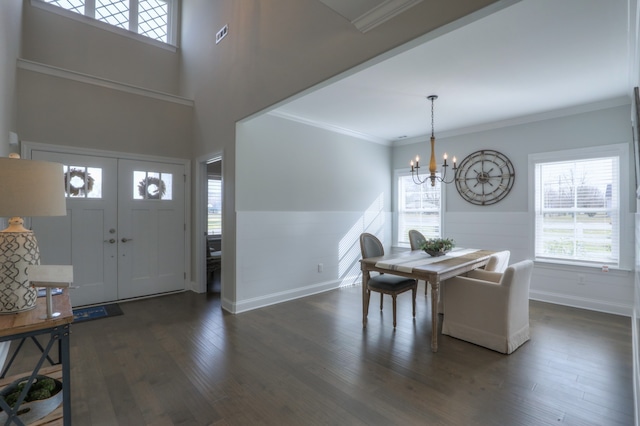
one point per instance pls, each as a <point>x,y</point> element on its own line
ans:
<point>437,245</point>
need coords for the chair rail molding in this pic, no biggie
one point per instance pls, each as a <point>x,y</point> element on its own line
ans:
<point>99,81</point>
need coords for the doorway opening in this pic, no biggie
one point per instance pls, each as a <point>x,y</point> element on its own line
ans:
<point>213,226</point>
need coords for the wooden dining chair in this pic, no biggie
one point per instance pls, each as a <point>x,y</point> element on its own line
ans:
<point>392,285</point>
<point>416,238</point>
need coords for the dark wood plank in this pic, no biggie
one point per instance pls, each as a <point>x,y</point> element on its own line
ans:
<point>181,360</point>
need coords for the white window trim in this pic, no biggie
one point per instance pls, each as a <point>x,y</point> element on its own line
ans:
<point>623,151</point>
<point>443,202</point>
<point>172,35</point>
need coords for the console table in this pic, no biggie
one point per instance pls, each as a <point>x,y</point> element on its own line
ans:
<point>32,324</point>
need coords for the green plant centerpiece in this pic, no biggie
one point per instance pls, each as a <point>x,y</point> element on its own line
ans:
<point>437,246</point>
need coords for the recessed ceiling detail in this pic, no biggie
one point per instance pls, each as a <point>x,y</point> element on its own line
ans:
<point>368,14</point>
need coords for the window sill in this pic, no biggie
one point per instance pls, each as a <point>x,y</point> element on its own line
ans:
<point>578,266</point>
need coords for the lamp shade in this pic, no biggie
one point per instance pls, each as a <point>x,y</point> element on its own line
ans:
<point>31,188</point>
<point>27,188</point>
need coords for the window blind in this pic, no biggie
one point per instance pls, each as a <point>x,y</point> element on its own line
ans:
<point>577,214</point>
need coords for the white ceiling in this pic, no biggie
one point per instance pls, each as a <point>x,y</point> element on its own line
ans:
<point>529,58</point>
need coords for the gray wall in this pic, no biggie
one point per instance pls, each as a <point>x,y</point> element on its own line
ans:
<point>59,108</point>
<point>270,54</point>
<point>508,223</point>
<point>289,166</point>
<point>304,196</point>
<point>601,127</point>
<point>56,40</point>
<point>275,50</point>
<point>60,111</point>
<point>10,30</point>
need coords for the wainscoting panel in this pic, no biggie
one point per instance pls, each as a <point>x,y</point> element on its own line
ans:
<point>491,231</point>
<point>286,255</point>
<point>578,286</point>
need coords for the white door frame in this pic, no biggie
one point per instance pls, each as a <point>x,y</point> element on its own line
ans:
<point>27,148</point>
<point>200,191</point>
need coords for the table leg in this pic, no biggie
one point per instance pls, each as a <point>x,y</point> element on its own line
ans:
<point>435,289</point>
<point>66,375</point>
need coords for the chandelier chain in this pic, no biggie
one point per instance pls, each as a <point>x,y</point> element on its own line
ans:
<point>432,132</point>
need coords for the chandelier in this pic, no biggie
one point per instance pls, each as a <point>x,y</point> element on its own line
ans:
<point>415,168</point>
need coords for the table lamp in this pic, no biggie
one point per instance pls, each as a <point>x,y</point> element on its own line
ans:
<point>27,188</point>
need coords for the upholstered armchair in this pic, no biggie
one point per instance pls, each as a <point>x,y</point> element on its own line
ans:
<point>491,309</point>
<point>498,262</point>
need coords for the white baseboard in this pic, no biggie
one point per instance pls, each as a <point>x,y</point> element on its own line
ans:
<point>194,287</point>
<point>283,296</point>
<point>636,367</point>
<point>583,303</point>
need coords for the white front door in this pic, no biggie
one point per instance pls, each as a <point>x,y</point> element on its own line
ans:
<point>87,236</point>
<point>124,232</point>
<point>152,227</point>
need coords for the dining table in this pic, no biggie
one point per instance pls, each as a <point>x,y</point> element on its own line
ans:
<point>419,265</point>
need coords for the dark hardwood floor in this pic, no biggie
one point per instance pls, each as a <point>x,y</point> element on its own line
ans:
<point>181,360</point>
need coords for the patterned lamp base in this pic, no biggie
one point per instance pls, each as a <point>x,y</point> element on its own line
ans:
<point>17,251</point>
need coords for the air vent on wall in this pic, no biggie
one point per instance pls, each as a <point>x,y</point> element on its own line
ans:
<point>222,33</point>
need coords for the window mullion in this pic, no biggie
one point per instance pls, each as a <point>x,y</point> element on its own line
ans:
<point>90,8</point>
<point>133,16</point>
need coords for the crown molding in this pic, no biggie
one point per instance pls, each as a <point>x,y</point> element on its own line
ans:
<point>525,119</point>
<point>330,127</point>
<point>382,13</point>
<point>368,14</point>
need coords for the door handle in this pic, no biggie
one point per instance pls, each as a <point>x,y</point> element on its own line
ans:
<point>124,240</point>
<point>110,240</point>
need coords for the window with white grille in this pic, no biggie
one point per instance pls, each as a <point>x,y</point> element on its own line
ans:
<point>76,6</point>
<point>151,18</point>
<point>114,12</point>
<point>214,205</point>
<point>82,182</point>
<point>577,207</point>
<point>152,185</point>
<point>419,207</point>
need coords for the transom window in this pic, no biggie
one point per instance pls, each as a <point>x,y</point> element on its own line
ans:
<point>152,186</point>
<point>82,182</point>
<point>577,209</point>
<point>419,207</point>
<point>151,18</point>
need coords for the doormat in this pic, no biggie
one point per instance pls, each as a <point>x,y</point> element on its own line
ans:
<point>96,312</point>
